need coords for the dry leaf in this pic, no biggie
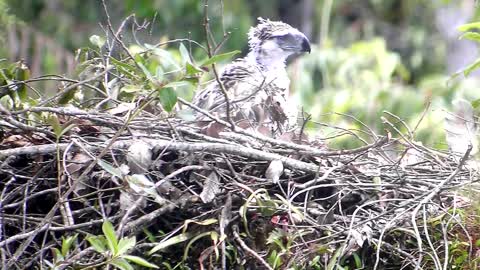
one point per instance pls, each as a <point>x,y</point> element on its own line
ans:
<point>139,157</point>
<point>13,141</point>
<point>211,188</point>
<point>122,108</point>
<point>213,129</point>
<point>274,171</point>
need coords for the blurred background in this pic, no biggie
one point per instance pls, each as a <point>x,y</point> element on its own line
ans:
<point>370,56</point>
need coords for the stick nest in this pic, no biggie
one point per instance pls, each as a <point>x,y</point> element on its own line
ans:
<point>163,181</point>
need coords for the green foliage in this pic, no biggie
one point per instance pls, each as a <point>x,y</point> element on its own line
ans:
<point>116,250</point>
<point>58,129</point>
<point>13,91</point>
<point>6,19</point>
<point>470,31</point>
<point>361,78</point>
<point>219,57</point>
<point>178,19</point>
<point>168,98</point>
<point>171,241</point>
<point>60,255</point>
<point>191,237</point>
<point>366,79</point>
<point>163,72</point>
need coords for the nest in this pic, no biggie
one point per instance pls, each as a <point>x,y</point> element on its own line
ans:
<point>237,199</point>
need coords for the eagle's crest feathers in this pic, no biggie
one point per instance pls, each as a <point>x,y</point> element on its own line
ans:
<point>265,30</point>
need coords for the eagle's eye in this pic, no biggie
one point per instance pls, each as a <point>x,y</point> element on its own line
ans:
<point>284,37</point>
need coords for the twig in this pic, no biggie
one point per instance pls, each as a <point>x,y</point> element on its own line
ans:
<point>430,196</point>
<point>206,25</point>
<point>145,220</point>
<point>117,33</point>
<point>135,205</point>
<point>68,88</point>
<point>249,250</point>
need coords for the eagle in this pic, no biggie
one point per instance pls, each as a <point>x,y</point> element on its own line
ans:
<point>257,85</point>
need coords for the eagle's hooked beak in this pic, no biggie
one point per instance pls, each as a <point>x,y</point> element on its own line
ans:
<point>302,43</point>
<point>305,45</point>
<point>295,42</point>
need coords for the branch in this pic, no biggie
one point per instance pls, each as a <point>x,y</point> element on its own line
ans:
<point>214,148</point>
<point>250,251</point>
<point>206,24</point>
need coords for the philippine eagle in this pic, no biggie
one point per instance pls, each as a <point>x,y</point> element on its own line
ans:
<point>257,85</point>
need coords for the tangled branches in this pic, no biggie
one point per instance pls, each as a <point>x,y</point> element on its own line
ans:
<point>159,173</point>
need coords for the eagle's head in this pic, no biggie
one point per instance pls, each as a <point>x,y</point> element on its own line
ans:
<point>272,42</point>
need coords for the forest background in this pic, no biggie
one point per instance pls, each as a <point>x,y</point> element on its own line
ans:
<point>370,56</point>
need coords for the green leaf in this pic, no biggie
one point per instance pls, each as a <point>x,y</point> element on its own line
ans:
<point>110,169</point>
<point>159,73</point>
<point>276,236</point>
<point>471,36</point>
<point>67,244</point>
<point>57,255</point>
<point>149,234</point>
<point>22,73</point>
<point>67,96</point>
<point>109,233</point>
<point>469,26</point>
<point>140,261</point>
<point>332,263</point>
<point>65,129</point>
<point>192,69</point>
<point>131,88</point>
<point>205,222</point>
<point>477,243</point>
<point>176,84</point>
<point>122,264</point>
<point>184,53</point>
<point>172,241</point>
<point>244,208</point>
<point>124,66</point>
<point>7,77</point>
<point>125,244</point>
<point>471,68</point>
<point>272,258</point>
<point>190,243</point>
<point>476,103</point>
<point>98,243</point>
<point>167,265</point>
<point>165,55</point>
<point>219,57</point>
<point>290,206</point>
<point>146,72</point>
<point>314,261</point>
<point>168,98</point>
<point>358,261</point>
<point>97,41</point>
<point>55,123</point>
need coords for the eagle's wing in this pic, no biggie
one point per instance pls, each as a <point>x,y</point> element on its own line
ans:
<point>242,81</point>
<point>256,98</point>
